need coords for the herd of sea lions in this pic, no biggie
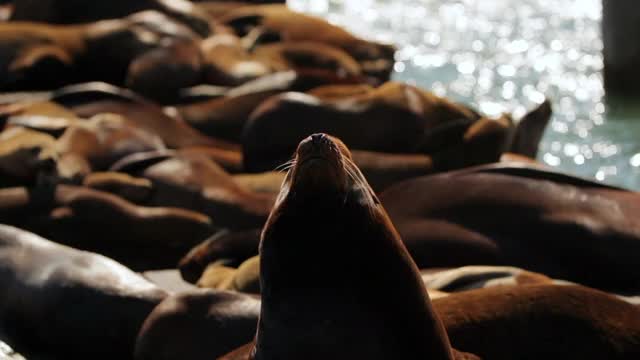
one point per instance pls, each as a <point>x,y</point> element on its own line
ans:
<point>214,179</point>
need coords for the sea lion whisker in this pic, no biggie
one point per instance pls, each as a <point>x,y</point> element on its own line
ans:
<point>286,166</point>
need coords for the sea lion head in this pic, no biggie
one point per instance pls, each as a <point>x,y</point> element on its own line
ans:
<point>322,168</point>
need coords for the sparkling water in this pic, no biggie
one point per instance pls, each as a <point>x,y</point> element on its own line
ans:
<point>506,56</point>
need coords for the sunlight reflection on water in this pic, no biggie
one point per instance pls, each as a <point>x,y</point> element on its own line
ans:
<point>500,57</point>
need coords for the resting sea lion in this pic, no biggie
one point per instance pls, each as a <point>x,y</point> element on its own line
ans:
<point>138,236</point>
<point>277,22</point>
<point>225,116</point>
<point>69,303</point>
<point>193,181</point>
<point>398,118</point>
<point>541,322</point>
<point>70,11</point>
<point>90,99</point>
<point>551,223</point>
<point>221,320</point>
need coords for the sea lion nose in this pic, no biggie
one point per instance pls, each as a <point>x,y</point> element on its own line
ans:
<point>317,139</point>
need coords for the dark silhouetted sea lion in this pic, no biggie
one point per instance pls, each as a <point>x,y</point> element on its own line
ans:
<point>69,303</point>
<point>551,223</point>
<point>222,320</point>
<point>326,203</point>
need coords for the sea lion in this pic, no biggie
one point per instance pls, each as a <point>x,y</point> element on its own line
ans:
<point>193,181</point>
<point>225,116</point>
<point>541,322</point>
<point>69,303</point>
<point>221,320</point>
<point>79,12</point>
<point>138,236</point>
<point>104,139</point>
<point>326,203</point>
<point>90,99</point>
<point>546,222</point>
<point>399,118</point>
<point>46,56</point>
<point>266,23</point>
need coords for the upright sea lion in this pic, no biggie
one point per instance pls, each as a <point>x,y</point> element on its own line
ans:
<point>69,303</point>
<point>554,224</point>
<point>327,204</point>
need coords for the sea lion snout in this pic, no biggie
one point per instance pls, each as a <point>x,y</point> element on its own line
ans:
<point>319,165</point>
<point>315,146</point>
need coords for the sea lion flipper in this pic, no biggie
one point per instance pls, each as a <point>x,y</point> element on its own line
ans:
<point>38,54</point>
<point>530,129</point>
